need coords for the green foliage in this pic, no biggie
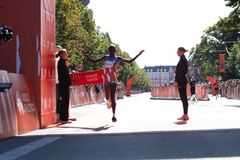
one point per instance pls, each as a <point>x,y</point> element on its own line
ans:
<point>233,3</point>
<point>223,37</point>
<point>76,29</point>
<point>233,62</point>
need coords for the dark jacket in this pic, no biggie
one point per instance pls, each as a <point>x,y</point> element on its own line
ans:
<point>181,71</point>
<point>63,73</point>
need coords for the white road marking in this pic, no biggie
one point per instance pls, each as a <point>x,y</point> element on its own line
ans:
<point>23,150</point>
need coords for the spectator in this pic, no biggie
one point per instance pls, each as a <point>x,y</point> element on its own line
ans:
<point>64,84</point>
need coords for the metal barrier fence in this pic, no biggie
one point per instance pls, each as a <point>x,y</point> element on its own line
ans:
<point>171,92</point>
<point>231,91</point>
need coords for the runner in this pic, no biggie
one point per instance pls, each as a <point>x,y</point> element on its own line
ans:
<point>110,61</point>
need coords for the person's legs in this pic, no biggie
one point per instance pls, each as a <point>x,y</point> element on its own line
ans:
<point>107,88</point>
<point>192,90</point>
<point>64,103</point>
<point>183,95</point>
<point>113,91</point>
<point>107,91</point>
<point>58,101</point>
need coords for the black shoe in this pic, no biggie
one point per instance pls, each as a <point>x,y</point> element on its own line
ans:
<point>114,119</point>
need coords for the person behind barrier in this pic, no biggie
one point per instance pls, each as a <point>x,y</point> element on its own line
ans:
<point>216,88</point>
<point>111,61</point>
<point>181,80</point>
<point>64,84</point>
<point>192,85</point>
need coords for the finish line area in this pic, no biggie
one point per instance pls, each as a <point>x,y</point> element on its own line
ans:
<point>145,129</point>
<point>139,113</point>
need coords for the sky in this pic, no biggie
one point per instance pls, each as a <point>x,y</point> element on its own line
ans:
<point>157,26</point>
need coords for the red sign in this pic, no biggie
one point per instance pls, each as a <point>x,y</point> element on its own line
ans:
<point>129,84</point>
<point>222,63</point>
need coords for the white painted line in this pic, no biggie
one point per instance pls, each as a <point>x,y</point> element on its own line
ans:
<point>23,150</point>
<point>209,158</point>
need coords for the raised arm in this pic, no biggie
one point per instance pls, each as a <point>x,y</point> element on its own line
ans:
<point>91,59</point>
<point>130,60</point>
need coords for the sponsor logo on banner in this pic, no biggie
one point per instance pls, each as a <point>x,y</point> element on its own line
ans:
<point>19,103</point>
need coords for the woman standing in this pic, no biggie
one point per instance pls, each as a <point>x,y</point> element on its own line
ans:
<point>181,80</point>
<point>111,61</point>
<point>64,83</point>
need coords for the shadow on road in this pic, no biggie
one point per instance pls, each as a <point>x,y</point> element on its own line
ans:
<point>143,145</point>
<point>238,106</point>
<point>97,129</point>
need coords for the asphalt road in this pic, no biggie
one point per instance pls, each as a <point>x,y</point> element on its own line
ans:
<point>146,129</point>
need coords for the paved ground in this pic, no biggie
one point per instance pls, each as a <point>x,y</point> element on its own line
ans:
<point>146,129</point>
<point>140,114</point>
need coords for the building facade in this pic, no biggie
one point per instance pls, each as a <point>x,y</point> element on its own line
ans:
<point>160,75</point>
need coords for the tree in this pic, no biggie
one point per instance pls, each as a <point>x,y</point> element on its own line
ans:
<point>233,3</point>
<point>219,38</point>
<point>76,29</point>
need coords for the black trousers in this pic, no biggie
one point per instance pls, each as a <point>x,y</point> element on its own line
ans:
<point>193,90</point>
<point>182,89</point>
<point>58,99</point>
<point>64,103</point>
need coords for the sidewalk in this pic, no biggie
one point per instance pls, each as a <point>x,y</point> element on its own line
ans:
<point>139,113</point>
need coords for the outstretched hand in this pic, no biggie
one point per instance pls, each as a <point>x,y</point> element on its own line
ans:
<point>141,51</point>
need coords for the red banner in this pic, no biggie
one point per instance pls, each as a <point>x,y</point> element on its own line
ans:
<point>222,63</point>
<point>94,77</point>
<point>210,79</point>
<point>129,84</point>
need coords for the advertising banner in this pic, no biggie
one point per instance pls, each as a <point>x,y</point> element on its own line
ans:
<point>222,63</point>
<point>31,51</point>
<point>25,103</point>
<point>94,77</point>
<point>129,84</point>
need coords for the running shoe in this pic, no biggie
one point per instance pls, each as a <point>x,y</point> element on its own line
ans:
<point>114,119</point>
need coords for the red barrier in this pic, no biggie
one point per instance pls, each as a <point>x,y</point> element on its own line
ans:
<point>167,92</point>
<point>8,119</point>
<point>83,95</point>
<point>201,92</point>
<point>171,92</point>
<point>25,103</point>
<point>129,84</point>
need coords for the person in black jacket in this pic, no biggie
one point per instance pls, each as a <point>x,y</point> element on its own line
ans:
<point>58,94</point>
<point>64,84</point>
<point>181,80</point>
